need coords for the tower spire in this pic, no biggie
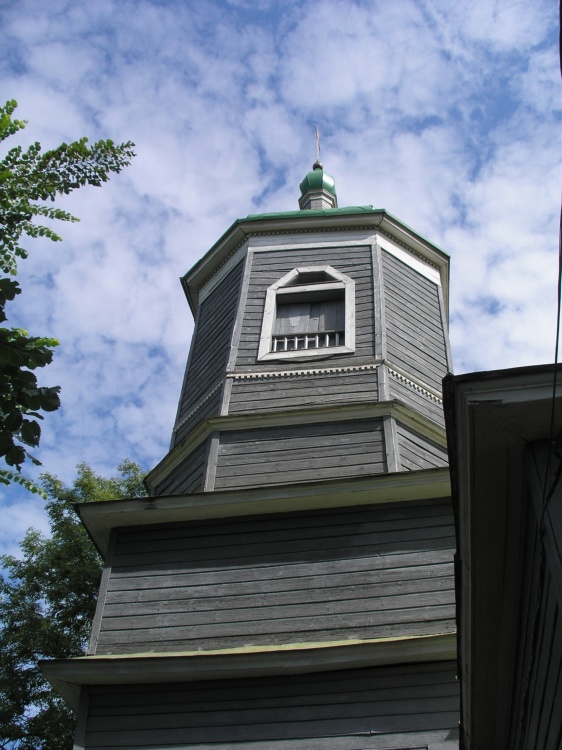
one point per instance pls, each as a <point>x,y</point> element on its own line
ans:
<point>318,189</point>
<point>317,164</point>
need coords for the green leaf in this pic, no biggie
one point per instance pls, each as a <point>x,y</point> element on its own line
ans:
<point>47,603</point>
<point>30,432</point>
<point>15,456</point>
<point>30,181</point>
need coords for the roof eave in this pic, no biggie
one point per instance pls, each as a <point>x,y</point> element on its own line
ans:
<point>307,221</point>
<point>100,518</point>
<point>68,675</point>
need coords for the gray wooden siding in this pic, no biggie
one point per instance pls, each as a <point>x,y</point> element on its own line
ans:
<point>211,344</point>
<point>407,706</point>
<point>302,391</point>
<point>188,476</point>
<point>362,572</point>
<point>537,718</point>
<point>414,326</point>
<point>269,267</point>
<point>300,453</point>
<point>417,452</point>
<point>418,401</point>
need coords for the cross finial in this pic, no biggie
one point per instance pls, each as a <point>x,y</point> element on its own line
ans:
<point>317,164</point>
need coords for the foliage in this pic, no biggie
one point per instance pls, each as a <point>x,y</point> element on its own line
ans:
<point>27,179</point>
<point>47,603</point>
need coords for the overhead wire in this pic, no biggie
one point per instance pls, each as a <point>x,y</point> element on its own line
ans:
<point>554,441</point>
<point>548,488</point>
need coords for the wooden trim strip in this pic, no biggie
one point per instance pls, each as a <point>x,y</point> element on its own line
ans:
<point>393,462</point>
<point>242,297</point>
<point>83,705</point>
<point>211,462</point>
<point>96,625</point>
<point>379,303</point>
<point>445,323</point>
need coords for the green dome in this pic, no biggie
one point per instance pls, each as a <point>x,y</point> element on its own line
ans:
<point>318,179</point>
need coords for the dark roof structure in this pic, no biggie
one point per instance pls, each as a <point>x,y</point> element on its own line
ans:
<point>504,430</point>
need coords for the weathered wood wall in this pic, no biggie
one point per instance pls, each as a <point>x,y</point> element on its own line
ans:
<point>417,452</point>
<point>210,350</point>
<point>412,706</point>
<point>406,325</point>
<point>415,335</point>
<point>188,475</point>
<point>303,391</point>
<point>411,328</point>
<point>269,267</point>
<point>362,572</point>
<point>300,453</point>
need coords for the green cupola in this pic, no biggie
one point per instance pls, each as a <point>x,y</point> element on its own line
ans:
<point>318,189</point>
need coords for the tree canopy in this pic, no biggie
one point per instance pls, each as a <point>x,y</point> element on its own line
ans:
<point>47,603</point>
<point>29,180</point>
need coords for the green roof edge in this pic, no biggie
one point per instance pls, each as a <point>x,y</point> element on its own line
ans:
<point>314,212</point>
<point>303,214</point>
<point>336,212</point>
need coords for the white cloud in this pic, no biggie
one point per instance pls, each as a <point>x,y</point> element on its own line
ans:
<point>444,114</point>
<point>19,513</point>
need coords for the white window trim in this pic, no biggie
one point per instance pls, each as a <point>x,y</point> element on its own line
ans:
<point>280,288</point>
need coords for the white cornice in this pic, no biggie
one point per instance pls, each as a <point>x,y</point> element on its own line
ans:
<point>263,375</point>
<point>68,675</point>
<point>425,390</point>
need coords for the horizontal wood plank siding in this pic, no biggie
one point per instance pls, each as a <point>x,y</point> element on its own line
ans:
<point>188,476</point>
<point>420,402</point>
<point>302,391</point>
<point>417,452</point>
<point>414,328</point>
<point>408,706</point>
<point>300,453</point>
<point>211,346</point>
<point>362,572</point>
<point>269,267</point>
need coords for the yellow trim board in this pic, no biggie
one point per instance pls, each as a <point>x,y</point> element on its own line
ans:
<point>68,675</point>
<point>101,517</point>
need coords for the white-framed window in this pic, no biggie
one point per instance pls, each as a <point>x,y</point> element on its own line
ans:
<point>310,312</point>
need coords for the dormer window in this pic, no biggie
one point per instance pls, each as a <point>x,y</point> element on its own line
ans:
<point>310,312</point>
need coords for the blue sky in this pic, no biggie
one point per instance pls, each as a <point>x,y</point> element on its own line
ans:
<point>446,114</point>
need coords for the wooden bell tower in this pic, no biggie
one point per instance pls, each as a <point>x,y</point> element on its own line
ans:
<point>288,584</point>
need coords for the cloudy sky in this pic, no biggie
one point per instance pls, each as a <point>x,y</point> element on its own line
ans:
<point>447,114</point>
